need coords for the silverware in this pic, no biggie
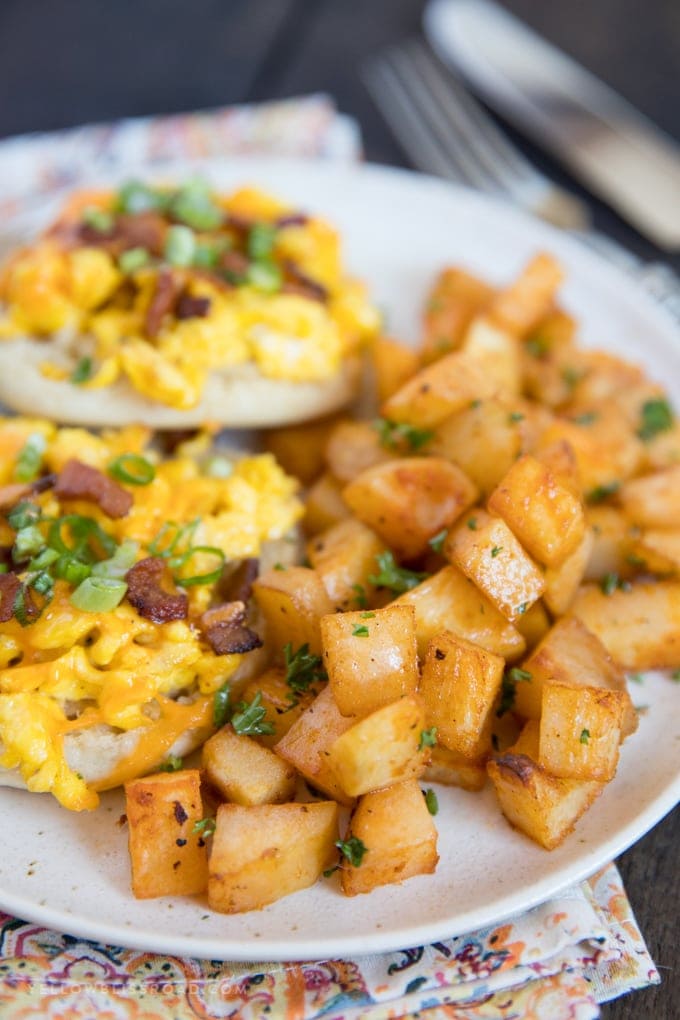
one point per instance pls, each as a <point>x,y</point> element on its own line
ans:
<point>446,132</point>
<point>619,154</point>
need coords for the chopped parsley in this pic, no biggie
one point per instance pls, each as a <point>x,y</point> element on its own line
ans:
<point>510,680</point>
<point>204,827</point>
<point>611,582</point>
<point>437,541</point>
<point>472,523</point>
<point>587,418</point>
<point>602,492</point>
<point>221,705</point>
<point>353,849</point>
<point>675,676</point>
<point>302,668</point>
<point>636,678</point>
<point>585,736</point>
<point>428,738</point>
<point>431,801</point>
<point>171,764</point>
<point>537,346</point>
<point>515,416</point>
<point>249,716</point>
<point>82,372</point>
<point>360,595</point>
<point>29,461</point>
<point>394,434</point>
<point>656,416</point>
<point>496,550</point>
<point>397,579</point>
<point>368,616</point>
<point>522,608</point>
<point>359,630</point>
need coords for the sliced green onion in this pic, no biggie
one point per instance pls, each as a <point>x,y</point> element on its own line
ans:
<point>219,467</point>
<point>133,469</point>
<point>43,583</point>
<point>177,562</point>
<point>207,255</point>
<point>119,564</point>
<point>180,246</point>
<point>20,607</point>
<point>99,219</point>
<point>44,559</point>
<point>133,259</point>
<point>83,531</point>
<point>261,240</point>
<point>72,570</point>
<point>264,276</point>
<point>3,568</point>
<point>99,594</point>
<point>82,372</point>
<point>175,535</point>
<point>194,205</point>
<point>136,197</point>
<point>30,459</point>
<point>23,515</point>
<point>28,542</point>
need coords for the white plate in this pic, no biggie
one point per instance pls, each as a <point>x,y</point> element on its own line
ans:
<point>70,872</point>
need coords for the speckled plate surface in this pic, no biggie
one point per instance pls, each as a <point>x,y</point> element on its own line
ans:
<point>71,871</point>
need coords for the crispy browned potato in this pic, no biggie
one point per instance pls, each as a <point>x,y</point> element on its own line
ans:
<point>282,705</point>
<point>292,602</point>
<point>453,769</point>
<point>528,299</point>
<point>562,582</point>
<point>580,731</point>
<point>301,449</point>
<point>498,353</point>
<point>484,440</point>
<point>245,772</point>
<point>399,836</point>
<point>344,556</point>
<point>260,854</point>
<point>441,389</point>
<point>653,501</point>
<point>393,364</point>
<point>168,858</point>
<point>324,505</point>
<point>352,447</point>
<point>455,299</point>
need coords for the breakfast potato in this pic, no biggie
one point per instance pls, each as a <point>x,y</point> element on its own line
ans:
<point>459,687</point>
<point>455,299</point>
<point>537,803</point>
<point>450,601</point>
<point>551,362</point>
<point>454,769</point>
<point>438,391</point>
<point>370,656</point>
<point>497,351</point>
<point>638,624</point>
<point>580,731</point>
<point>544,515</point>
<point>168,858</point>
<point>490,555</point>
<point>654,550</point>
<point>324,505</point>
<point>301,449</point>
<point>484,440</point>
<point>353,447</point>
<point>383,748</point>
<point>282,705</point>
<point>662,450</point>
<point>609,552</point>
<point>563,581</point>
<point>292,602</point>
<point>393,364</point>
<point>534,624</point>
<point>398,834</point>
<point>560,459</point>
<point>409,500</point>
<point>306,745</point>
<point>245,772</point>
<point>528,299</point>
<point>261,853</point>
<point>653,501</point>
<point>344,557</point>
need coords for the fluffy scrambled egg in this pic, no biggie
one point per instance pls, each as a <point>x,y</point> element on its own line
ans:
<point>68,669</point>
<point>246,280</point>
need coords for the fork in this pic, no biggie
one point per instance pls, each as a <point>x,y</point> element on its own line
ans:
<point>446,132</point>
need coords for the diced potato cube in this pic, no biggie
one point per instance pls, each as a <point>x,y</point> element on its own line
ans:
<point>459,686</point>
<point>551,363</point>
<point>655,550</point>
<point>324,505</point>
<point>399,835</point>
<point>393,364</point>
<point>453,769</point>
<point>344,557</point>
<point>455,299</point>
<point>245,772</point>
<point>546,518</point>
<point>292,602</point>
<point>382,749</point>
<point>639,625</point>
<point>307,744</point>
<point>560,460</point>
<point>281,703</point>
<point>497,351</point>
<point>260,854</point>
<point>301,449</point>
<point>441,389</point>
<point>653,501</point>
<point>167,857</point>
<point>534,624</point>
<point>494,560</point>
<point>580,731</point>
<point>371,657</point>
<point>610,536</point>
<point>562,582</point>
<point>352,447</point>
<point>484,440</point>
<point>450,601</point>
<point>409,500</point>
<point>521,306</point>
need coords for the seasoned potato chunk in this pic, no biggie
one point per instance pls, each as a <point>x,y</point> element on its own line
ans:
<point>494,560</point>
<point>393,364</point>
<point>324,505</point>
<point>281,703</point>
<point>409,500</point>
<point>439,390</point>
<point>371,657</point>
<point>344,557</point>
<point>497,351</point>
<point>453,302</point>
<point>544,515</point>
<point>354,446</point>
<point>301,449</point>
<point>459,686</point>
<point>580,731</point>
<point>399,836</point>
<point>528,299</point>
<point>484,440</point>
<point>453,769</point>
<point>653,501</point>
<point>245,772</point>
<point>562,582</point>
<point>382,749</point>
<point>260,854</point>
<point>292,602</point>
<point>167,857</point>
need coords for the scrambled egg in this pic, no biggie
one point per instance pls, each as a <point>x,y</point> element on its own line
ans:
<point>70,669</point>
<point>289,309</point>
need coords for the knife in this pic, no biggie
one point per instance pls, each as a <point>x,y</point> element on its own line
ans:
<point>618,153</point>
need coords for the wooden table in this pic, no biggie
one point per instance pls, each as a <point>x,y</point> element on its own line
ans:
<point>71,61</point>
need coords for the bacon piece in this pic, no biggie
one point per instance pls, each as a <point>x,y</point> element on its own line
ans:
<point>13,493</point>
<point>235,263</point>
<point>80,481</point>
<point>291,220</point>
<point>9,587</point>
<point>151,600</point>
<point>142,230</point>
<point>224,630</point>
<point>238,585</point>
<point>168,288</point>
<point>189,307</point>
<point>312,289</point>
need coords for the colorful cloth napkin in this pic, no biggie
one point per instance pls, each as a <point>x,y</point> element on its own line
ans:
<point>555,962</point>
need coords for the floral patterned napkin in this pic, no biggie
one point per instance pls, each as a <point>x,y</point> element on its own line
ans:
<point>555,962</point>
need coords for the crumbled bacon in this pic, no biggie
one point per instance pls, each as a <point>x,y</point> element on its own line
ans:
<point>189,307</point>
<point>311,288</point>
<point>142,230</point>
<point>168,289</point>
<point>9,588</point>
<point>237,586</point>
<point>292,220</point>
<point>12,494</point>
<point>80,481</point>
<point>151,600</point>
<point>224,630</point>
<point>235,263</point>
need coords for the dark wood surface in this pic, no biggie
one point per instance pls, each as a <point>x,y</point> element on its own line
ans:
<point>66,62</point>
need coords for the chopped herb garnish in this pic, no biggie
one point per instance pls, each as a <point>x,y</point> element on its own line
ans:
<point>611,582</point>
<point>205,827</point>
<point>133,469</point>
<point>180,245</point>
<point>171,764</point>
<point>636,678</point>
<point>264,276</point>
<point>23,515</point>
<point>602,492</point>
<point>437,542</point>
<point>82,372</point>
<point>496,550</point>
<point>428,738</point>
<point>221,705</point>
<point>367,616</point>
<point>279,566</point>
<point>99,594</point>
<point>515,416</point>
<point>353,849</point>
<point>261,239</point>
<point>571,376</point>
<point>431,801</point>
<point>359,630</point>
<point>522,608</point>
<point>207,577</point>
<point>331,871</point>
<point>99,219</point>
<point>133,259</point>
<point>656,416</point>
<point>587,418</point>
<point>29,461</point>
<point>194,206</point>
<point>585,736</point>
<point>248,719</point>
<point>675,676</point>
<point>360,595</point>
<point>510,680</point>
<point>537,346</point>
<point>472,523</point>
<point>397,579</point>
<point>393,434</point>
<point>302,668</point>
